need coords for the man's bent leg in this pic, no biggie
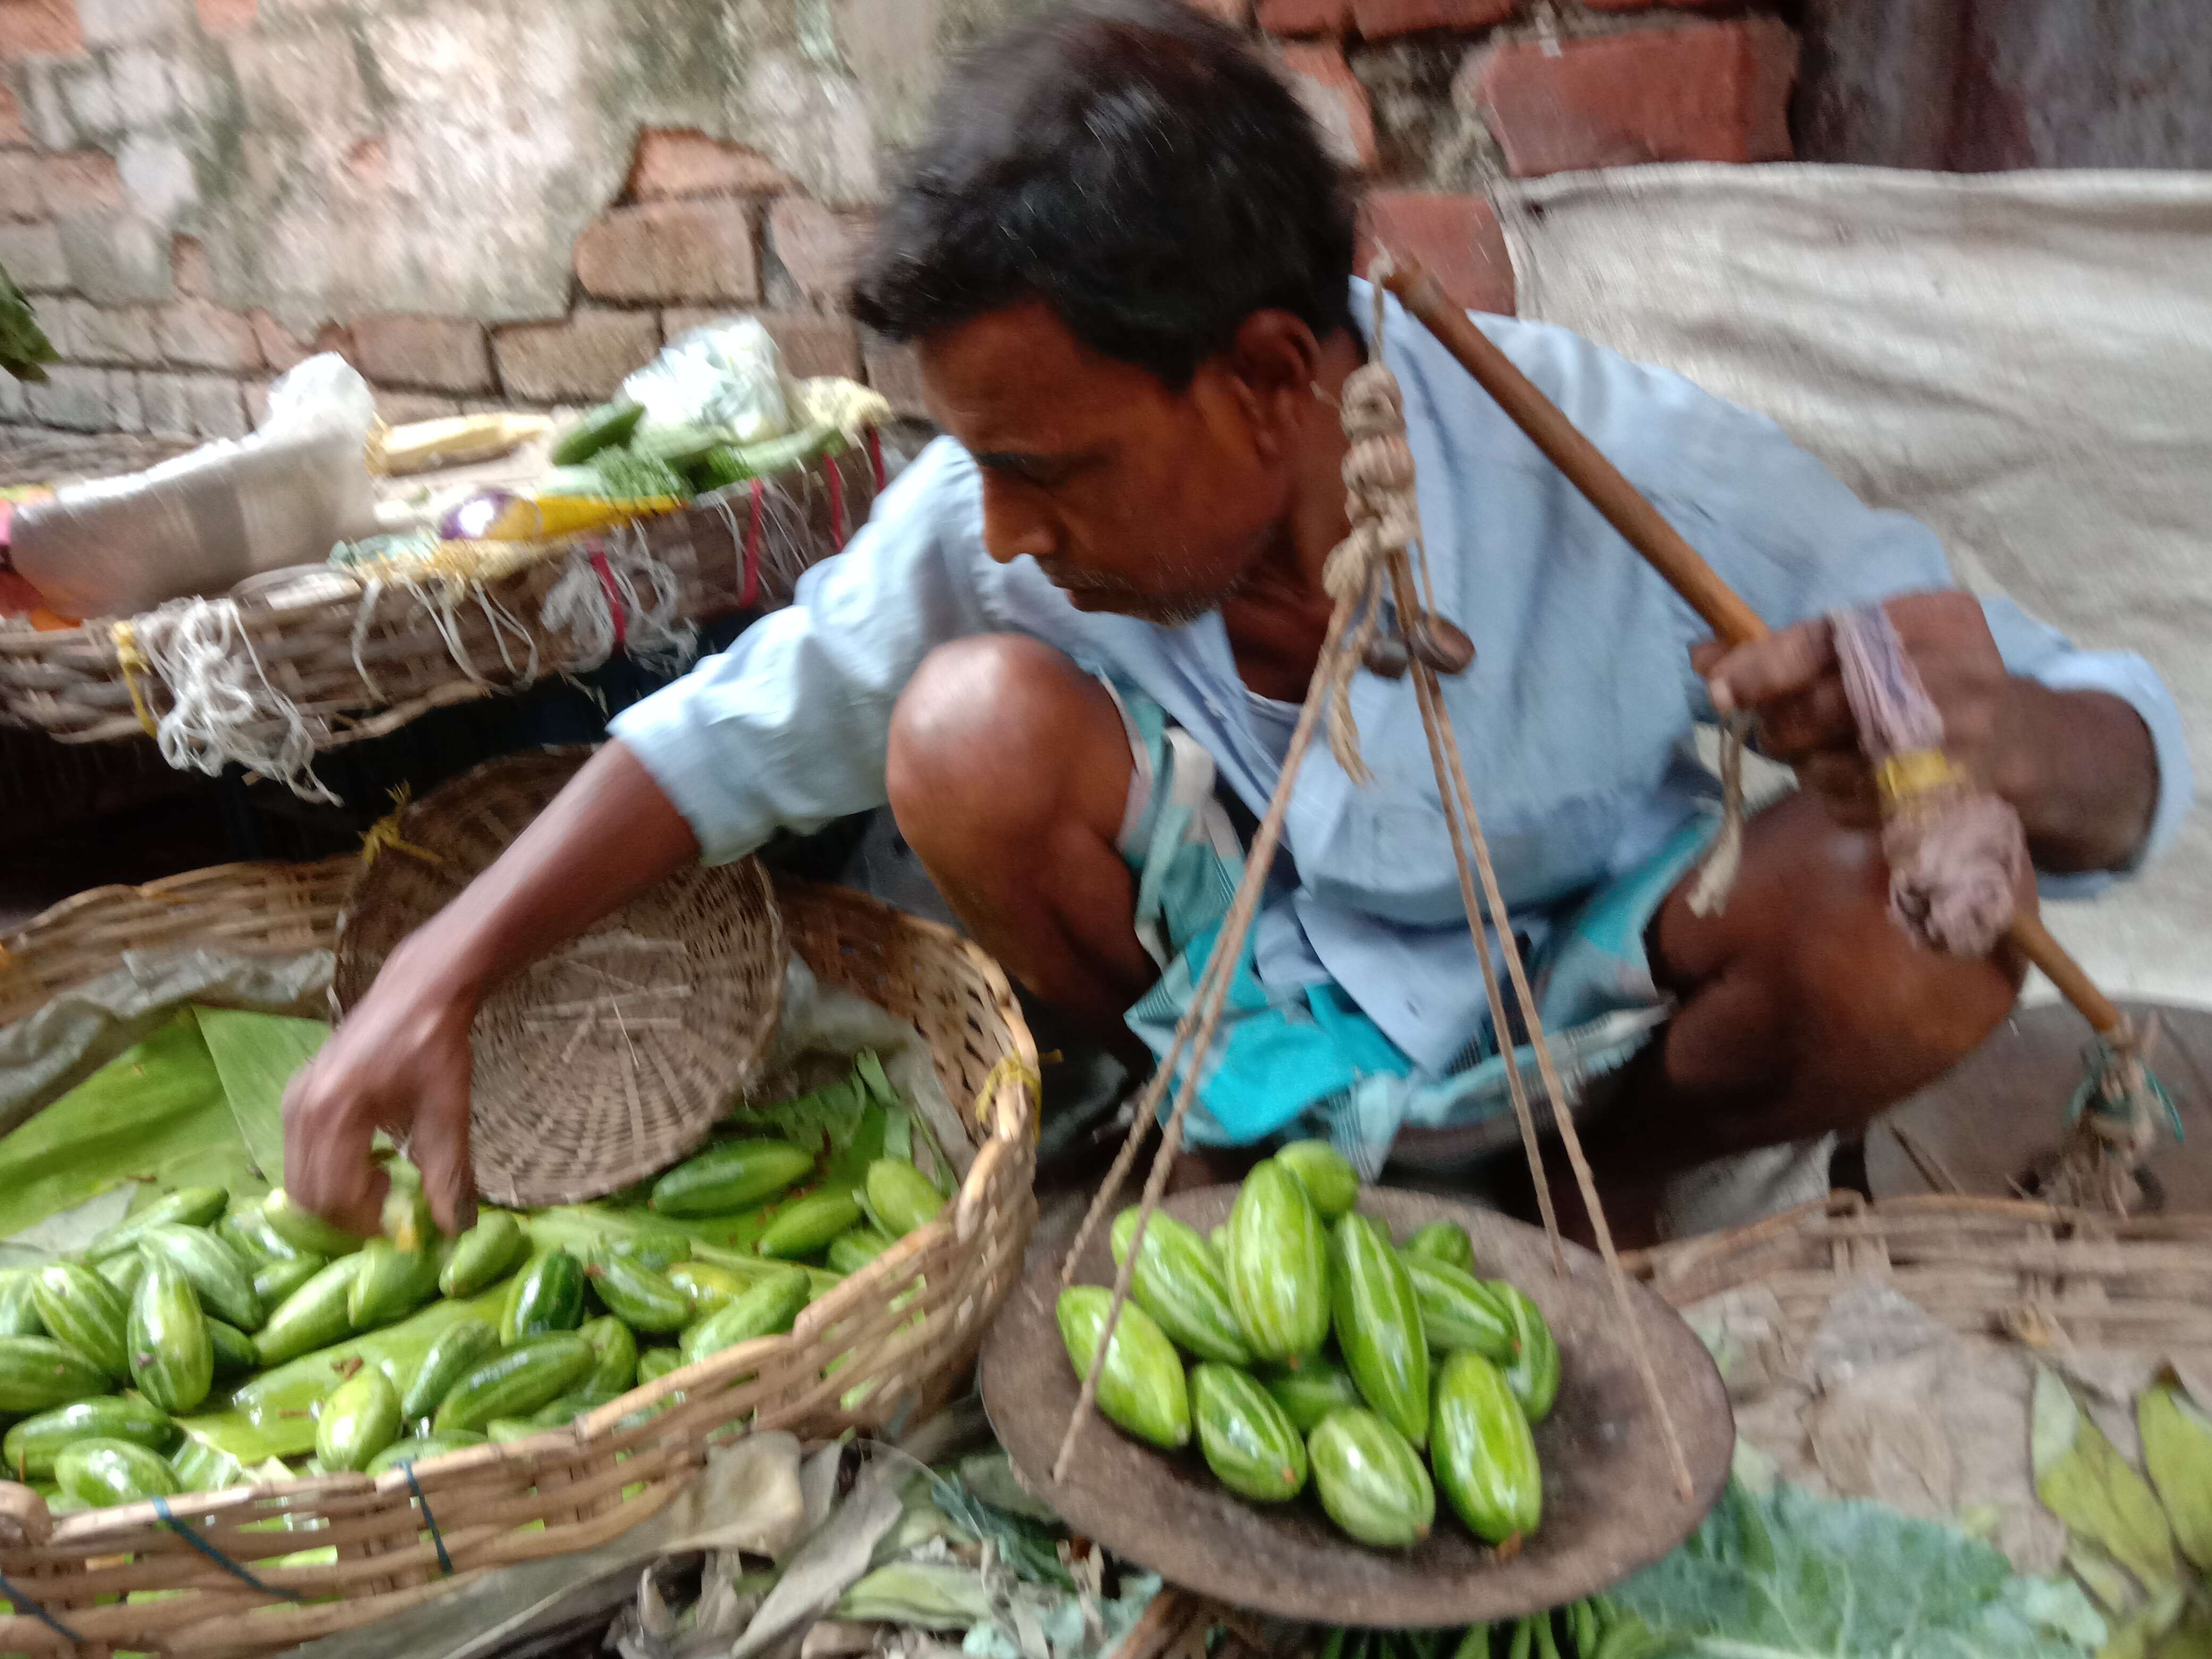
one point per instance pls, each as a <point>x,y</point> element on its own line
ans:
<point>1009,769</point>
<point>1805,1010</point>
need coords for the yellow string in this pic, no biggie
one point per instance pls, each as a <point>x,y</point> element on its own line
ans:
<point>384,835</point>
<point>132,661</point>
<point>1009,1069</point>
<point>1917,772</point>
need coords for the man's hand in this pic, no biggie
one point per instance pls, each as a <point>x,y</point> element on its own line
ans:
<point>400,1063</point>
<point>2078,766</point>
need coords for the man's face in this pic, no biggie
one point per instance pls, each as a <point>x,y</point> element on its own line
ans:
<point>1134,498</point>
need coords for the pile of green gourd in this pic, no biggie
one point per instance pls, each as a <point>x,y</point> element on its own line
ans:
<point>1424,1356</point>
<point>186,1301</point>
<point>1590,1629</point>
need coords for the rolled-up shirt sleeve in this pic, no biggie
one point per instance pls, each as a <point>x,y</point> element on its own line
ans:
<point>788,729</point>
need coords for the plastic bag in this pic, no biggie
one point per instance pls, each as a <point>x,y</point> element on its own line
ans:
<point>228,510</point>
<point>725,374</point>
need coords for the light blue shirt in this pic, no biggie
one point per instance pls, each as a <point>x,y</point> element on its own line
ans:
<point>1576,719</point>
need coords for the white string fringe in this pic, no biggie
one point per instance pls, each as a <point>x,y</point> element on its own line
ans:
<point>223,709</point>
<point>1717,875</point>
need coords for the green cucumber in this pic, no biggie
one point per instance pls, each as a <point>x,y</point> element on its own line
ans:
<point>85,1311</point>
<point>37,1373</point>
<point>313,1316</point>
<point>458,1348</point>
<point>1442,1241</point>
<point>1326,1174</point>
<point>852,1250</point>
<point>1141,1386</point>
<point>901,1196</point>
<point>659,1251</point>
<point>236,1352</point>
<point>603,428</point>
<point>123,1271</point>
<point>1484,1455</point>
<point>252,1234</point>
<point>1378,1325</point>
<point>1313,1390</point>
<point>656,1363</point>
<point>484,1255</point>
<point>712,1285</point>
<point>1459,1311</point>
<point>275,1282</point>
<point>735,1175</point>
<point>360,1419</point>
<point>614,1368</point>
<point>421,1449</point>
<point>1249,1441</point>
<point>546,1296</point>
<point>1533,1376</point>
<point>1179,1281</point>
<point>769,1308</point>
<point>1278,1265</point>
<point>642,1298</point>
<point>516,1381</point>
<point>19,1310</point>
<point>390,1284</point>
<point>33,1444</point>
<point>304,1230</point>
<point>225,1285</point>
<point>1370,1480</point>
<point>189,1207</point>
<point>98,1472</point>
<point>806,1225</point>
<point>172,1355</point>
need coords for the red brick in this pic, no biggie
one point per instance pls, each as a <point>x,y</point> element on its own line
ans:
<point>21,196</point>
<point>819,248</point>
<point>189,272</point>
<point>678,251</point>
<point>1639,5</point>
<point>673,162</point>
<point>584,356</point>
<point>895,372</point>
<point>1691,92</point>
<point>1333,96</point>
<point>811,343</point>
<point>34,27</point>
<point>1233,12</point>
<point>1378,18</point>
<point>199,335</point>
<point>284,349</point>
<point>1305,16</point>
<point>12,130</point>
<point>439,354</point>
<point>79,181</point>
<point>1455,238</point>
<point>227,16</point>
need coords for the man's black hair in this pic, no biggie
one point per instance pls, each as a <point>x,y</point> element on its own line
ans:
<point>1134,165</point>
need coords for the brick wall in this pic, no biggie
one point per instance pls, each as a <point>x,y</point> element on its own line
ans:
<point>198,195</point>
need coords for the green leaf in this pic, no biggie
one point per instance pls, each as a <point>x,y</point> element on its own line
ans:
<point>2176,1441</point>
<point>256,1055</point>
<point>155,1113</point>
<point>2083,1480</point>
<point>1791,1576</point>
<point>2140,1635</point>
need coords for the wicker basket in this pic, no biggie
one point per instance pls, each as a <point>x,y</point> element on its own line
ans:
<point>355,666</point>
<point>612,1056</point>
<point>1982,1266</point>
<point>589,1481</point>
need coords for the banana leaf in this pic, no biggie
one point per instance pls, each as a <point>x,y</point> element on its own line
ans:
<point>2176,1441</point>
<point>2084,1481</point>
<point>256,1055</point>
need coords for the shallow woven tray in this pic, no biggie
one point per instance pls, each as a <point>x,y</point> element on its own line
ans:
<point>313,647</point>
<point>957,1270</point>
<point>1983,1265</point>
<point>615,1054</point>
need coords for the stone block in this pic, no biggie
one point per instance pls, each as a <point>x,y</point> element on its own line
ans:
<point>14,399</point>
<point>811,343</point>
<point>895,371</point>
<point>14,130</point>
<point>1334,97</point>
<point>584,356</point>
<point>817,247</point>
<point>1380,18</point>
<point>255,394</point>
<point>89,96</point>
<point>1456,239</point>
<point>22,186</point>
<point>158,177</point>
<point>689,250</point>
<point>73,399</point>
<point>100,334</point>
<point>79,181</point>
<point>401,408</point>
<point>218,406</point>
<point>1305,16</point>
<point>44,107</point>
<point>125,407</point>
<point>1689,91</point>
<point>197,334</point>
<point>189,270</point>
<point>139,77</point>
<point>117,22</point>
<point>439,354</point>
<point>283,349</point>
<point>116,258</point>
<point>32,254</point>
<point>39,28</point>
<point>221,17</point>
<point>674,161</point>
<point>166,402</point>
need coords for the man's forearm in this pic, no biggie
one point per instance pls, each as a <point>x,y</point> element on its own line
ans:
<point>2084,778</point>
<point>608,837</point>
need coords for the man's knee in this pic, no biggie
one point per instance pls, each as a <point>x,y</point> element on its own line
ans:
<point>997,735</point>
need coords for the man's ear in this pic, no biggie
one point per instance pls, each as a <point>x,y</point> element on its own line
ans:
<point>1272,365</point>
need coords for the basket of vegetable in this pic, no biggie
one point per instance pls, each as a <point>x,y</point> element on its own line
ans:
<point>233,1429</point>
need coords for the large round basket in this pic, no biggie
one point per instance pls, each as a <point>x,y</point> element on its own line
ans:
<point>616,1053</point>
<point>570,1488</point>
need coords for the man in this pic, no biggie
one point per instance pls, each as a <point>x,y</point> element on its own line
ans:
<point>1068,650</point>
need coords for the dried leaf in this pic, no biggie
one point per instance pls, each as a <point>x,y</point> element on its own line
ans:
<point>2176,1441</point>
<point>2142,1635</point>
<point>2083,1481</point>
